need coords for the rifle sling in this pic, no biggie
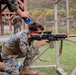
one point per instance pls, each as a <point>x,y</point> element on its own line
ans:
<point>43,60</point>
<point>60,50</point>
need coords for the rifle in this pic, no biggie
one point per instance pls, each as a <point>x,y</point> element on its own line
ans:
<point>47,35</point>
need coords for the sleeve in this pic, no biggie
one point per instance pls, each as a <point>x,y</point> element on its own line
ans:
<point>31,53</point>
<point>24,46</point>
<point>23,43</point>
<point>12,5</point>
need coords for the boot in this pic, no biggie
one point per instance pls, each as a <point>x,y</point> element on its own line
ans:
<point>26,71</point>
<point>2,66</point>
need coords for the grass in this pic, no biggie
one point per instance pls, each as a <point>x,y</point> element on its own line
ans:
<point>67,58</point>
<point>7,32</point>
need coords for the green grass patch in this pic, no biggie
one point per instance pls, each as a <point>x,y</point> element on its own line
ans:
<point>7,32</point>
<point>67,59</point>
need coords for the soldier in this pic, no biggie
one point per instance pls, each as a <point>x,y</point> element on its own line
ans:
<point>17,22</point>
<point>19,46</point>
<point>13,6</point>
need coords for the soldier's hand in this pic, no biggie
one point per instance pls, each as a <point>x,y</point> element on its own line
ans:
<point>25,14</point>
<point>41,43</point>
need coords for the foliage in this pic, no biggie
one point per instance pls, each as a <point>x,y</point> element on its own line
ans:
<point>72,11</point>
<point>43,11</point>
<point>46,18</point>
<point>42,4</point>
<point>62,13</point>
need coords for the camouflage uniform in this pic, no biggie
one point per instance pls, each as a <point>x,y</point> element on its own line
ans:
<point>17,22</point>
<point>11,4</point>
<point>19,45</point>
<point>2,73</point>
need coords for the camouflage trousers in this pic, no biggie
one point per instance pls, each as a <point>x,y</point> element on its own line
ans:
<point>11,64</point>
<point>11,61</point>
<point>3,73</point>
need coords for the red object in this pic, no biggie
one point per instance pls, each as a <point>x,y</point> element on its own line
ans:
<point>9,15</point>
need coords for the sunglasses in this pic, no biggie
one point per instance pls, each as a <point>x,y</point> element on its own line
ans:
<point>38,32</point>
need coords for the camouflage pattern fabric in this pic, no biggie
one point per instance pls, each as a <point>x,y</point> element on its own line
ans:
<point>3,73</point>
<point>17,22</point>
<point>11,4</point>
<point>11,64</point>
<point>19,45</point>
<point>31,53</point>
<point>0,55</point>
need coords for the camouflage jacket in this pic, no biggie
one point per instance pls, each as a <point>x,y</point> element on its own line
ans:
<point>11,4</point>
<point>19,43</point>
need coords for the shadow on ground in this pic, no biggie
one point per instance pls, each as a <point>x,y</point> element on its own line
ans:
<point>46,71</point>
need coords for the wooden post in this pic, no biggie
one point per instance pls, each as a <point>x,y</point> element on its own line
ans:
<point>56,1</point>
<point>25,9</point>
<point>67,9</point>
<point>56,31</point>
<point>1,28</point>
<point>10,25</point>
<point>59,69</point>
